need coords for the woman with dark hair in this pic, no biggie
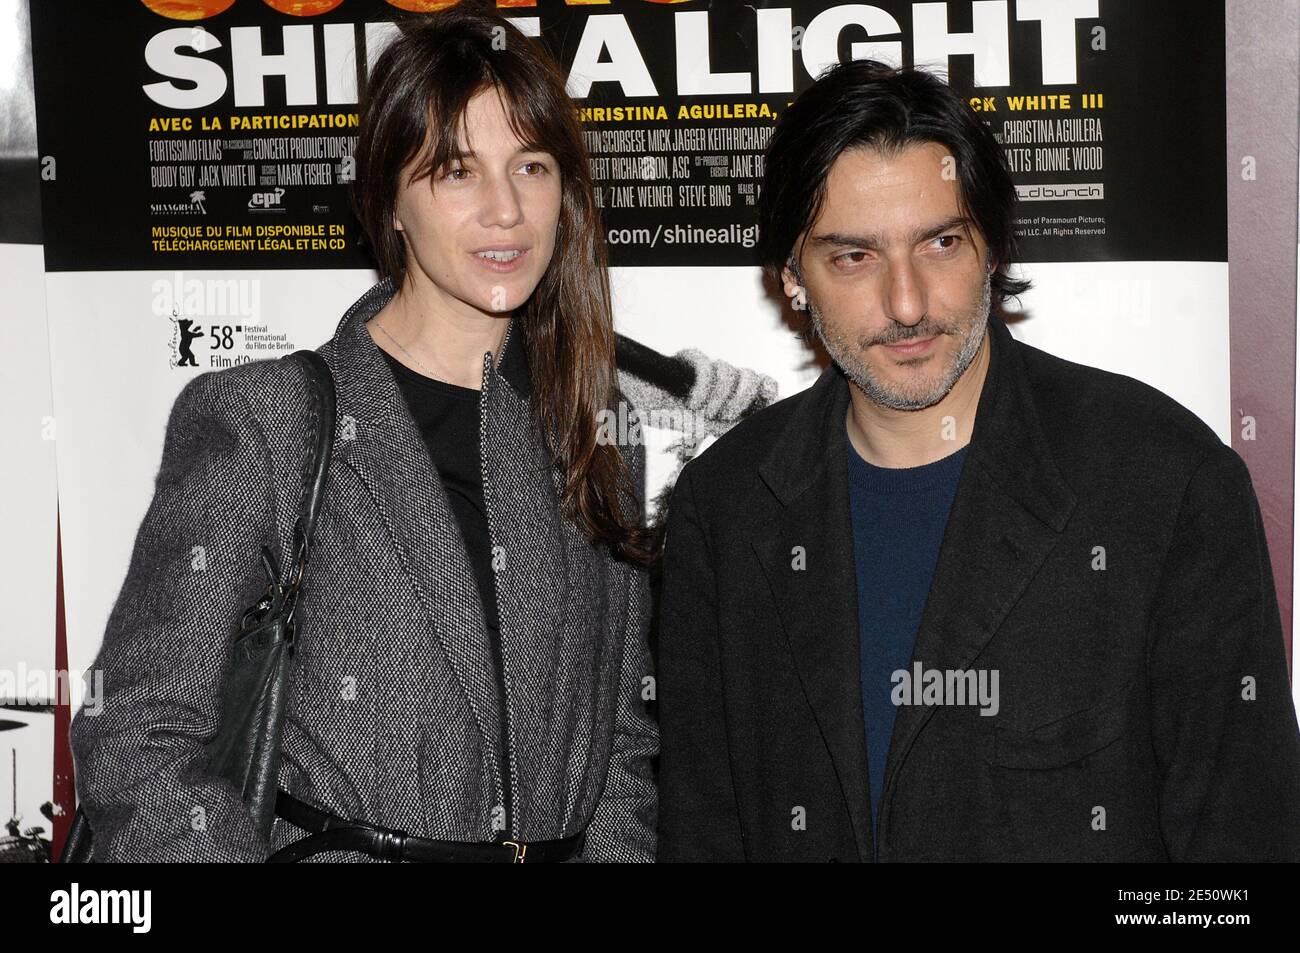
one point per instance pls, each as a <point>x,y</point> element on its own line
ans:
<point>471,639</point>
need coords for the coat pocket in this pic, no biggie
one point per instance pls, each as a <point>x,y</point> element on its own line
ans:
<point>1064,740</point>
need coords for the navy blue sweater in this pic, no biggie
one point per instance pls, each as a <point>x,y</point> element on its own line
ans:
<point>899,517</point>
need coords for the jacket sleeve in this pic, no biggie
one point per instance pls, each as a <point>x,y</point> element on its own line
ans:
<point>1224,728</point>
<point>699,818</point>
<point>623,826</point>
<point>193,570</point>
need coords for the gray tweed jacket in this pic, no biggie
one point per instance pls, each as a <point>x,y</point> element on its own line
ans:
<point>394,716</point>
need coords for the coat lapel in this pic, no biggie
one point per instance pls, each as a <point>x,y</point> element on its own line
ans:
<point>383,446</point>
<point>1010,507</point>
<point>816,600</point>
<point>527,529</point>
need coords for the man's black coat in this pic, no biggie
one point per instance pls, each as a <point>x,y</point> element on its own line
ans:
<point>1144,708</point>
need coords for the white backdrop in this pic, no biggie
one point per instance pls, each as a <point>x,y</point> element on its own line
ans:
<point>1162,322</point>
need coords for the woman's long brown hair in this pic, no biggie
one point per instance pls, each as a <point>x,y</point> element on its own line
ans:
<point>415,100</point>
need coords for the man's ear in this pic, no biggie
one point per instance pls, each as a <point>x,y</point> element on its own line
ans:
<point>790,281</point>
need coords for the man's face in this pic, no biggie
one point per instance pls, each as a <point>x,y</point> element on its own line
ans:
<point>503,196</point>
<point>897,282</point>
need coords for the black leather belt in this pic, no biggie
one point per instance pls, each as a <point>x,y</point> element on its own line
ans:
<point>331,832</point>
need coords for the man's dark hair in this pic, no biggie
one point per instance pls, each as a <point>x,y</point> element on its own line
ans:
<point>862,103</point>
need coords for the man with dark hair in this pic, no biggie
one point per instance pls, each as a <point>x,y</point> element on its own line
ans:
<point>960,599</point>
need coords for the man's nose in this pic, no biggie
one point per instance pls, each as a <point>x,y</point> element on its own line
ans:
<point>905,296</point>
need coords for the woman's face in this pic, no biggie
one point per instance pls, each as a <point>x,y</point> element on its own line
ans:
<point>500,197</point>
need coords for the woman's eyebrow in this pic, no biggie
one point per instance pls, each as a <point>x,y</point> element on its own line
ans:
<point>521,151</point>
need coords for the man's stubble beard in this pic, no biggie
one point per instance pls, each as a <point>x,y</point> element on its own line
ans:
<point>849,357</point>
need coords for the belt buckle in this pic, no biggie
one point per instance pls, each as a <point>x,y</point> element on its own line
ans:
<point>521,850</point>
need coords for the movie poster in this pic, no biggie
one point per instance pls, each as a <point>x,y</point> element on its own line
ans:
<point>195,158</point>
<point>221,135</point>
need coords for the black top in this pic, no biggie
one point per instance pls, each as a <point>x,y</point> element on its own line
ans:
<point>448,418</point>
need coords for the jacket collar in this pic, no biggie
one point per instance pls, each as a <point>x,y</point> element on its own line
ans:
<point>1010,507</point>
<point>1007,439</point>
<point>365,381</point>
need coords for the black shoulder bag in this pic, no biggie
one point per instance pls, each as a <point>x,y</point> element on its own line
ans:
<point>246,748</point>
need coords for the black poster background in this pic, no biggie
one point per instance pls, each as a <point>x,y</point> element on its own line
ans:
<point>1161,76</point>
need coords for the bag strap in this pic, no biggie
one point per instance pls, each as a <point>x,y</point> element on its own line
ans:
<point>322,385</point>
<point>322,381</point>
<point>281,596</point>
